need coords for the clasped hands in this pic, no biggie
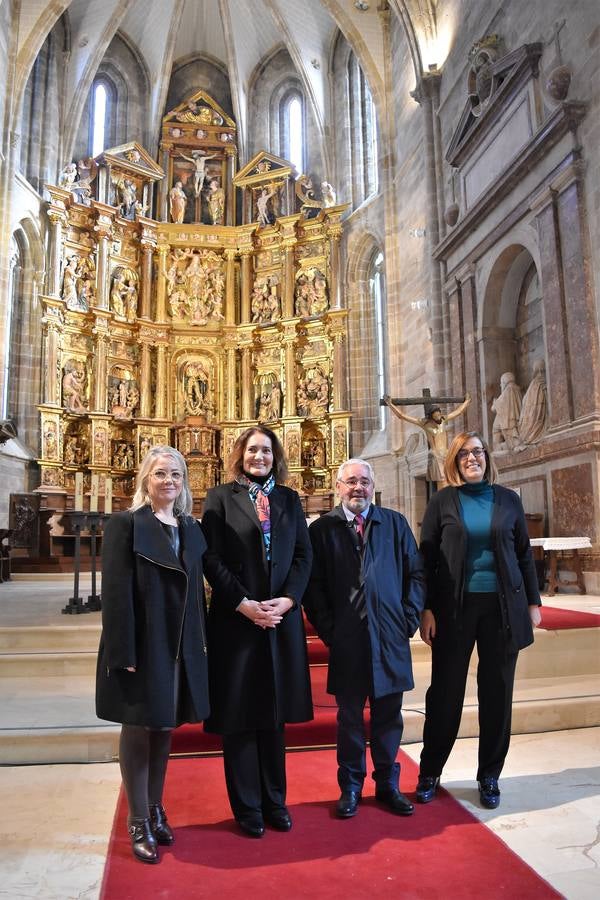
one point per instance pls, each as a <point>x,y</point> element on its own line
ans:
<point>267,613</point>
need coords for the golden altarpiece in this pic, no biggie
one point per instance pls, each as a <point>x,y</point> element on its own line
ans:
<point>175,324</point>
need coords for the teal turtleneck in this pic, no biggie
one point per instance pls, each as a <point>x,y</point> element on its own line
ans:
<point>477,506</point>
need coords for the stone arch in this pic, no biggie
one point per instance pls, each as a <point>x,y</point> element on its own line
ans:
<point>511,334</point>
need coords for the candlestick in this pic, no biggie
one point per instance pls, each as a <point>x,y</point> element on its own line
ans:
<point>79,491</point>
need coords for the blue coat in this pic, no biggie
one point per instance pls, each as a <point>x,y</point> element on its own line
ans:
<point>394,583</point>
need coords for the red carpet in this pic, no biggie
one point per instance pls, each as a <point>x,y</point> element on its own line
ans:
<point>554,619</point>
<point>441,852</point>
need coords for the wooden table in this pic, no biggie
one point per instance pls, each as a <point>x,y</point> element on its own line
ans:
<point>552,547</point>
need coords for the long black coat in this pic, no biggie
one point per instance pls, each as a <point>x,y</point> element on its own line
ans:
<point>394,584</point>
<point>444,547</point>
<point>152,613</point>
<point>258,678</point>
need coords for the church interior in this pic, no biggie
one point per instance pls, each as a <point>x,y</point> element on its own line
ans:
<point>333,218</point>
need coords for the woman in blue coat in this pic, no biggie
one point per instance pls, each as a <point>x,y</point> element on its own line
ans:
<point>482,589</point>
<point>152,669</point>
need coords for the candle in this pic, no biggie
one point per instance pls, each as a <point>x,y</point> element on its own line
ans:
<point>108,495</point>
<point>79,491</point>
<point>94,493</point>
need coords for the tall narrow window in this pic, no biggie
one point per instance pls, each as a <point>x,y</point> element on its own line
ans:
<point>363,133</point>
<point>377,290</point>
<point>99,110</point>
<point>296,133</point>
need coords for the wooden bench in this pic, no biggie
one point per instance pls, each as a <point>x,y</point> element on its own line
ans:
<point>552,547</point>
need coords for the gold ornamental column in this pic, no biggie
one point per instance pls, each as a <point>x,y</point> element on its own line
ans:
<point>230,287</point>
<point>103,229</point>
<point>58,220</point>
<point>289,399</point>
<point>145,381</point>
<point>101,351</point>
<point>52,323</point>
<point>247,394</point>
<point>161,381</point>
<point>230,192</point>
<point>338,372</point>
<point>246,285</point>
<point>161,287</point>
<point>231,411</point>
<point>288,279</point>
<point>334,232</point>
<point>148,246</point>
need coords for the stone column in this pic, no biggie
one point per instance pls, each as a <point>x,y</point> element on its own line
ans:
<point>230,287</point>
<point>162,212</point>
<point>456,342</point>
<point>335,294</point>
<point>473,420</point>
<point>57,221</point>
<point>146,286</point>
<point>289,283</point>
<point>161,382</point>
<point>247,385</point>
<point>161,286</point>
<point>145,381</point>
<point>246,313</point>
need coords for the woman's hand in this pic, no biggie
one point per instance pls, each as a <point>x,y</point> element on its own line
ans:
<point>130,668</point>
<point>279,605</point>
<point>535,615</point>
<point>264,618</point>
<point>427,628</point>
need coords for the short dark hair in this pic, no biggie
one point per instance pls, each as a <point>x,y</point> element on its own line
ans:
<point>451,470</point>
<point>235,463</point>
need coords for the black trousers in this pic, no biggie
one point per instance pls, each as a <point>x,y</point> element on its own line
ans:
<point>255,771</point>
<point>451,653</point>
<point>386,734</point>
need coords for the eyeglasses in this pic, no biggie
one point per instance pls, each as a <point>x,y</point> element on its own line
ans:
<point>354,482</point>
<point>477,452</point>
<point>162,476</point>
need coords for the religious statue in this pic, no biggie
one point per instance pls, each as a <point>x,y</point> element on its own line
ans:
<point>78,283</point>
<point>127,197</point>
<point>265,216</point>
<point>311,293</point>
<point>216,202</point>
<point>145,445</point>
<point>73,387</point>
<point>177,202</point>
<point>505,427</point>
<point>50,445</point>
<point>265,303</point>
<point>435,426</point>
<point>70,279</point>
<point>312,393</point>
<point>71,451</point>
<point>328,194</point>
<point>195,290</point>
<point>67,177</point>
<point>293,448</point>
<point>196,390</point>
<point>199,158</point>
<point>534,409</point>
<point>117,294</point>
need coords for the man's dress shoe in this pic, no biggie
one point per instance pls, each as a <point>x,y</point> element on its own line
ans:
<point>279,819</point>
<point>143,842</point>
<point>252,825</point>
<point>427,788</point>
<point>489,792</point>
<point>394,800</point>
<point>347,805</point>
<point>160,827</point>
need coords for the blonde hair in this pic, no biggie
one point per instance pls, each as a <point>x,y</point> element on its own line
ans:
<point>184,502</point>
<point>451,470</point>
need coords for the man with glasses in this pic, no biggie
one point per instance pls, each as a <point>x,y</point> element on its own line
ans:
<point>364,599</point>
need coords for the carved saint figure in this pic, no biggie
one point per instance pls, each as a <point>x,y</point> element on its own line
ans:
<point>199,158</point>
<point>73,387</point>
<point>216,202</point>
<point>505,428</point>
<point>70,279</point>
<point>265,216</point>
<point>312,393</point>
<point>67,176</point>
<point>328,194</point>
<point>532,422</point>
<point>196,390</point>
<point>177,202</point>
<point>436,431</point>
<point>117,294</point>
<point>127,196</point>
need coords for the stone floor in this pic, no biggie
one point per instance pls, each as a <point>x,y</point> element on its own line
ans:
<point>56,819</point>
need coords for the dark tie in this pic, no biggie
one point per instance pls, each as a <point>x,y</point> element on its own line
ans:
<point>360,529</point>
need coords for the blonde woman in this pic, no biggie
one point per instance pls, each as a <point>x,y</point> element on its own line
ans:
<point>152,671</point>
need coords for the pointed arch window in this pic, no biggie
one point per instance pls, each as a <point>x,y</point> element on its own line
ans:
<point>292,129</point>
<point>363,133</point>
<point>377,293</point>
<point>102,100</point>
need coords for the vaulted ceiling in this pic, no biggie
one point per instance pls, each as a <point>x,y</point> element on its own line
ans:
<point>239,34</point>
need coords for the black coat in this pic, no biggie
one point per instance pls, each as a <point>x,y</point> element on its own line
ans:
<point>258,678</point>
<point>152,613</point>
<point>444,547</point>
<point>394,582</point>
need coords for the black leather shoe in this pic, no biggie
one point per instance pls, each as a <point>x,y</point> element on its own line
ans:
<point>394,800</point>
<point>427,788</point>
<point>347,805</point>
<point>279,819</point>
<point>143,842</point>
<point>160,827</point>
<point>489,793</point>
<point>252,825</point>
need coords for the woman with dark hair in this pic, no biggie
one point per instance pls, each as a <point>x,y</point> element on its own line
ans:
<point>152,671</point>
<point>258,564</point>
<point>482,588</point>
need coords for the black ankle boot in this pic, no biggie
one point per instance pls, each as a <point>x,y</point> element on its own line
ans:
<point>161,828</point>
<point>143,842</point>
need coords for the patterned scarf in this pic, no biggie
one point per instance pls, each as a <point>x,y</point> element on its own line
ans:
<point>259,494</point>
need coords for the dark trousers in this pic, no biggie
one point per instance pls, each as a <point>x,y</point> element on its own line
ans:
<point>386,733</point>
<point>255,771</point>
<point>451,653</point>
